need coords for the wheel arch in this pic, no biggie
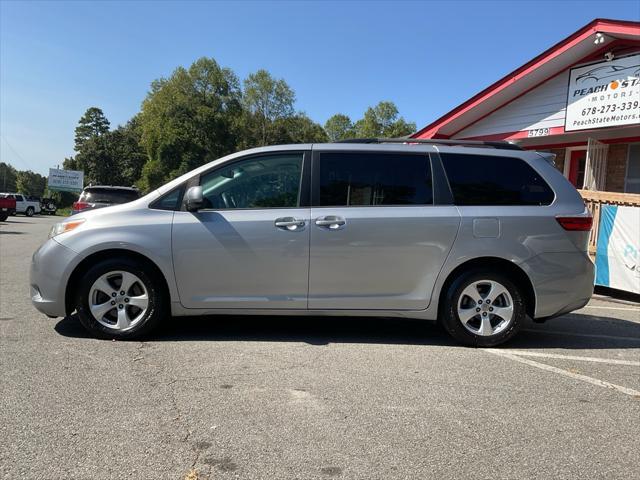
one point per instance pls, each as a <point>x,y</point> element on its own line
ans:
<point>513,271</point>
<point>106,254</point>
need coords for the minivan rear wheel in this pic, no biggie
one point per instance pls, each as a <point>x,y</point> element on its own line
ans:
<point>483,308</point>
<point>119,299</point>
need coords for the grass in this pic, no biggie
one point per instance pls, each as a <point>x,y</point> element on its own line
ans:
<point>63,212</point>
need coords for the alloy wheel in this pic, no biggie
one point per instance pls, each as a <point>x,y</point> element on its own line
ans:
<point>118,300</point>
<point>485,307</point>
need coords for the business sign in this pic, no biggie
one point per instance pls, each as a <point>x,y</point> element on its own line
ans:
<point>618,252</point>
<point>65,180</point>
<point>605,94</point>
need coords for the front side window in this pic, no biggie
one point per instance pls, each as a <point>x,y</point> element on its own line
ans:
<point>494,180</point>
<point>261,182</point>
<point>367,179</point>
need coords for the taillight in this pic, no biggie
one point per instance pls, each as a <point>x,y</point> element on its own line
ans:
<point>80,205</point>
<point>576,224</point>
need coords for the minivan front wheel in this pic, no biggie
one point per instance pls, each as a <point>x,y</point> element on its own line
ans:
<point>483,309</point>
<point>119,299</point>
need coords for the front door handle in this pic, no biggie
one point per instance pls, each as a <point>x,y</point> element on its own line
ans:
<point>332,222</point>
<point>289,223</point>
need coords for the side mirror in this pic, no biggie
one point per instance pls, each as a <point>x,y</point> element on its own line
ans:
<point>194,199</point>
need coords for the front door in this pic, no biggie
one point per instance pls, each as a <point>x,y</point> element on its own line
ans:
<point>249,248</point>
<point>377,240</point>
<point>577,167</point>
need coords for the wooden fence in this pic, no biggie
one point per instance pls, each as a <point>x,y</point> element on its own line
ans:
<point>594,200</point>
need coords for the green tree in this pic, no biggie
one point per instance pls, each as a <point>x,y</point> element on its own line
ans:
<point>95,159</point>
<point>267,102</point>
<point>299,128</point>
<point>339,127</point>
<point>188,119</point>
<point>92,124</point>
<point>383,121</point>
<point>126,154</point>
<point>30,183</point>
<point>8,177</point>
<point>70,163</point>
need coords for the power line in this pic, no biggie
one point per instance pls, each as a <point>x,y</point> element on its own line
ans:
<point>29,167</point>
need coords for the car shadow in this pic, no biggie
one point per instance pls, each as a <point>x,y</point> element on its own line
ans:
<point>9,232</point>
<point>574,331</point>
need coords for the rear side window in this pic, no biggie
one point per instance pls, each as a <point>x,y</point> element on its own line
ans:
<point>367,179</point>
<point>108,195</point>
<point>494,180</point>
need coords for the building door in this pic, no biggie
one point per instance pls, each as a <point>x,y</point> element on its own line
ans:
<point>577,166</point>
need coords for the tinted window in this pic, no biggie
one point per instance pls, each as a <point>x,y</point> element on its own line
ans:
<point>108,195</point>
<point>493,180</point>
<point>263,182</point>
<point>169,201</point>
<point>357,179</point>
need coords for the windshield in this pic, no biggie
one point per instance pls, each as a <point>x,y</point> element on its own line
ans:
<point>108,195</point>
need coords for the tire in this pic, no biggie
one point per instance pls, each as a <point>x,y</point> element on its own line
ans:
<point>483,326</point>
<point>3,216</point>
<point>29,212</point>
<point>109,322</point>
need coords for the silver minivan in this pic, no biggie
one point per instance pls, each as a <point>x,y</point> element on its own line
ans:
<point>475,235</point>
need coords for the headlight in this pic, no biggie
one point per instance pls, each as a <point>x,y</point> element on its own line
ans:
<point>63,227</point>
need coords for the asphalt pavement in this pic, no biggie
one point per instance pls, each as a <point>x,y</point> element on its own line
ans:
<point>311,398</point>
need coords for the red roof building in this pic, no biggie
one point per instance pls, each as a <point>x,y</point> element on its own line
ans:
<point>580,99</point>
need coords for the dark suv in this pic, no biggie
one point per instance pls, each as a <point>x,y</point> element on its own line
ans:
<point>104,196</point>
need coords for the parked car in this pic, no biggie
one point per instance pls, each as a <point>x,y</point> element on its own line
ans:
<point>24,205</point>
<point>7,206</point>
<point>48,205</point>
<point>477,235</point>
<point>100,196</point>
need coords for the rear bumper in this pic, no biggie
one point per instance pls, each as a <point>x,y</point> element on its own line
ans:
<point>562,282</point>
<point>51,266</point>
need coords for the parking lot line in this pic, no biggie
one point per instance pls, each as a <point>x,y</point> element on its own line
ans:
<point>584,335</point>
<point>566,373</point>
<point>603,307</point>
<point>524,353</point>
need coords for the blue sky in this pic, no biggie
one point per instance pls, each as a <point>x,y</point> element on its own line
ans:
<point>59,58</point>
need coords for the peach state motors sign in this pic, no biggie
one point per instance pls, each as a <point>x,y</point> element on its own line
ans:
<point>604,94</point>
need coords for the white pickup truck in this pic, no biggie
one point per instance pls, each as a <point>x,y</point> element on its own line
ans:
<point>24,206</point>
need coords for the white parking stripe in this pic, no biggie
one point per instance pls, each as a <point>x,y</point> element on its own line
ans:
<point>585,335</point>
<point>566,373</point>
<point>524,353</point>
<point>632,309</point>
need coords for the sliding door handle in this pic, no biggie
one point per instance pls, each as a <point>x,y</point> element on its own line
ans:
<point>332,222</point>
<point>289,223</point>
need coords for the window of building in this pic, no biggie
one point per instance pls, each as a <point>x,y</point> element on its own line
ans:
<point>632,182</point>
<point>367,179</point>
<point>494,180</point>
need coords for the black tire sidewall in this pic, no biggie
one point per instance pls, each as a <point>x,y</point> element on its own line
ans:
<point>29,212</point>
<point>449,312</point>
<point>152,317</point>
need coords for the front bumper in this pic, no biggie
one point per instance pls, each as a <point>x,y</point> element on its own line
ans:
<point>562,282</point>
<point>51,267</point>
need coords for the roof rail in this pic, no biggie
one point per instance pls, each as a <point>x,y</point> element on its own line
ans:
<point>433,141</point>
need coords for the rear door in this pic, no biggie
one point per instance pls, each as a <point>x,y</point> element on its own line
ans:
<point>378,240</point>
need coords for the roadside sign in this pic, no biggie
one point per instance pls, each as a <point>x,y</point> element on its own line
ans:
<point>65,180</point>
